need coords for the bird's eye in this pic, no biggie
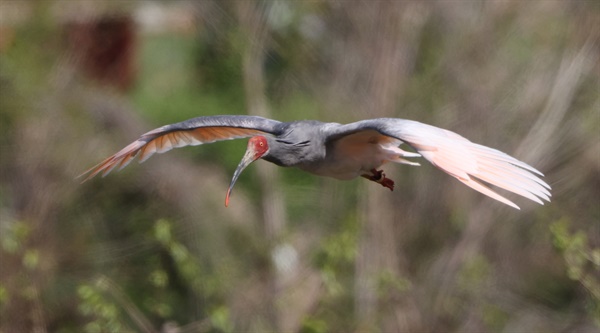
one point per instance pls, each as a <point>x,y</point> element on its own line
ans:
<point>261,144</point>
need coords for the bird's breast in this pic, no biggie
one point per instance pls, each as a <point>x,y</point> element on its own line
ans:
<point>346,162</point>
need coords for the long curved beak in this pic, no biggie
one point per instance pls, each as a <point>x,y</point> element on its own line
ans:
<point>246,160</point>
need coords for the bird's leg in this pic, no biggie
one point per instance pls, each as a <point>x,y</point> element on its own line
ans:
<point>379,177</point>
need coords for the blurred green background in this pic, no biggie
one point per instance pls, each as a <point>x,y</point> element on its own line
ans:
<point>153,249</point>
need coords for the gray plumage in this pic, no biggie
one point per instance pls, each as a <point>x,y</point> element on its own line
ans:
<point>344,151</point>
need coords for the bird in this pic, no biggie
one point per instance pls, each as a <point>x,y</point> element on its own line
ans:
<point>343,151</point>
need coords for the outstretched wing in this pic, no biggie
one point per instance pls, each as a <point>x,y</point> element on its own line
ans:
<point>191,132</point>
<point>468,162</point>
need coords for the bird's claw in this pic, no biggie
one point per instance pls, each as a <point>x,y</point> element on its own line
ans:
<point>386,182</point>
<point>379,177</point>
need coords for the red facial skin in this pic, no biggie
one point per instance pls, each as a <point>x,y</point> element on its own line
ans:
<point>259,145</point>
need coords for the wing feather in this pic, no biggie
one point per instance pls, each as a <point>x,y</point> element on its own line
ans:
<point>191,132</point>
<point>469,162</point>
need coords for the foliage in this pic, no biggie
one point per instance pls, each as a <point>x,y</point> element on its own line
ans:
<point>107,317</point>
<point>582,261</point>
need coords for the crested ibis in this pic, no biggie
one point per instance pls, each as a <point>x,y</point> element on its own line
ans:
<point>343,151</point>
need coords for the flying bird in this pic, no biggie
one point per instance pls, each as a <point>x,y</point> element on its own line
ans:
<point>343,151</point>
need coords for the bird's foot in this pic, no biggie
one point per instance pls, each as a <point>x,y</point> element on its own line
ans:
<point>379,177</point>
<point>386,182</point>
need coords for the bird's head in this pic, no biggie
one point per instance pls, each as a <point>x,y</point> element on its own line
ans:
<point>257,148</point>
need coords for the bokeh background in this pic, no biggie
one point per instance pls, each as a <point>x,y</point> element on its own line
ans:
<point>153,249</point>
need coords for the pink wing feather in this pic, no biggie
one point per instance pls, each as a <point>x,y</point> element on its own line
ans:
<point>472,163</point>
<point>191,132</point>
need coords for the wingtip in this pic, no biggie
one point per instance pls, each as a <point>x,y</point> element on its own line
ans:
<point>87,175</point>
<point>80,176</point>
<point>480,187</point>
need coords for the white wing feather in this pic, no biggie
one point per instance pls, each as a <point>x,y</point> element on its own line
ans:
<point>470,162</point>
